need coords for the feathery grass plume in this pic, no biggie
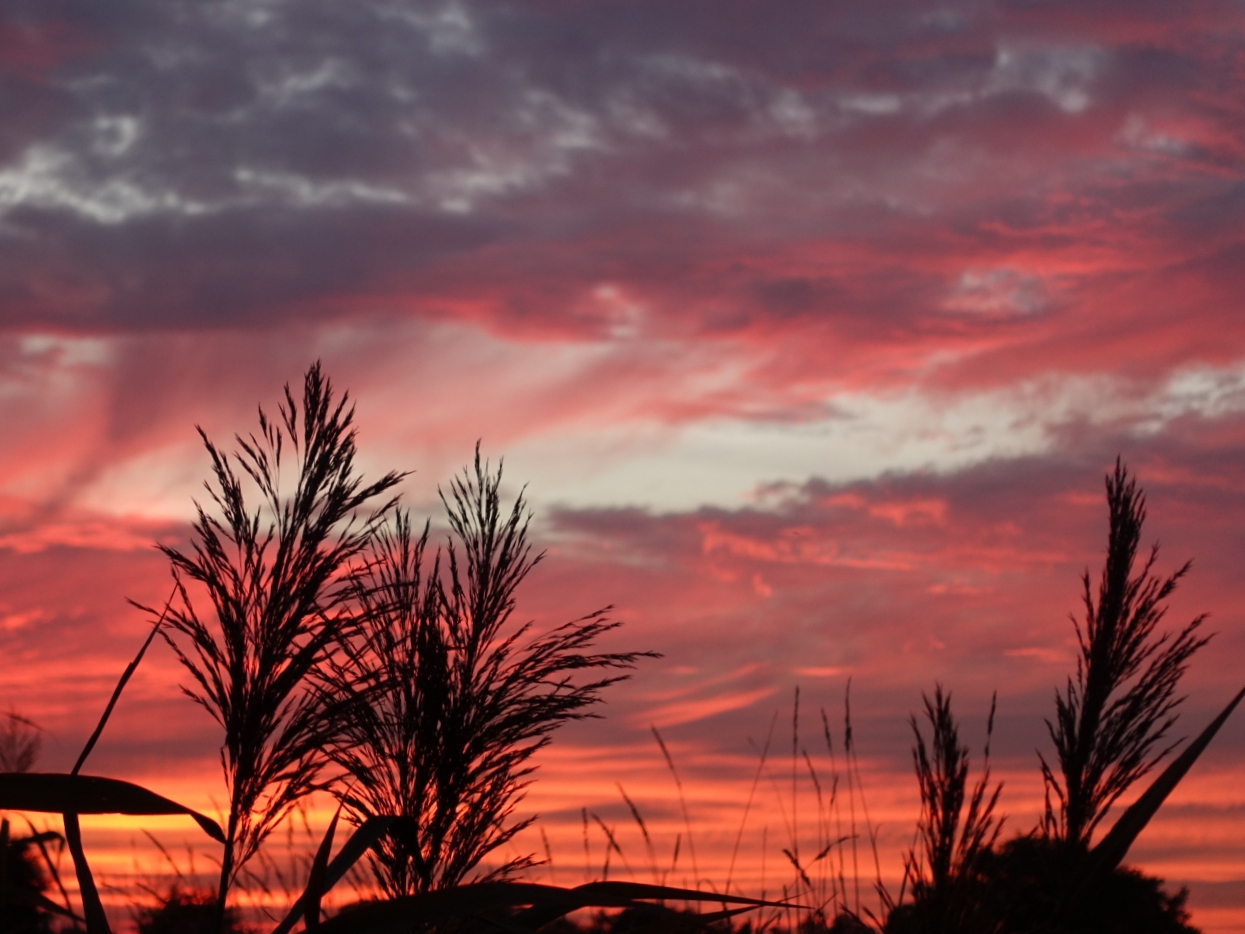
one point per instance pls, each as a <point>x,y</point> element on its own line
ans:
<point>273,567</point>
<point>21,740</point>
<point>454,698</point>
<point>952,840</point>
<point>1111,721</point>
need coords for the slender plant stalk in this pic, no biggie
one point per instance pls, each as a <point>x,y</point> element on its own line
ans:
<point>687,820</point>
<point>756,778</point>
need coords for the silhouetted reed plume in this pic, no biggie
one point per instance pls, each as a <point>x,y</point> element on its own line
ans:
<point>943,872</point>
<point>1111,721</point>
<point>451,700</point>
<point>21,740</point>
<point>272,565</point>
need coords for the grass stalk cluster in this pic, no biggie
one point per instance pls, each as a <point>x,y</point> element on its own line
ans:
<point>340,650</point>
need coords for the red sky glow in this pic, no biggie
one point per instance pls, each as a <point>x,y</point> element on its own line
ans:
<point>811,328</point>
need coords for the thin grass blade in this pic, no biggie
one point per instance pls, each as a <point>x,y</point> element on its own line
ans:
<point>92,908</point>
<point>121,683</point>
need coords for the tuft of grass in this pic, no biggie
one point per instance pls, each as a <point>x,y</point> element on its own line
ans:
<point>953,840</point>
<point>21,741</point>
<point>272,563</point>
<point>444,699</point>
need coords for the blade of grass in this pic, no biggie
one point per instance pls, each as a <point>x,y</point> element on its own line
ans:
<point>635,813</point>
<point>730,872</point>
<point>398,915</point>
<point>612,844</point>
<point>678,783</point>
<point>92,907</point>
<point>364,837</point>
<point>544,839</point>
<point>121,683</point>
<point>583,812</point>
<point>316,877</point>
<point>851,790</point>
<point>795,798</point>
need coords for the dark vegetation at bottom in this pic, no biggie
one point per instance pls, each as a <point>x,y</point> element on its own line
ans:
<point>1019,888</point>
<point>188,911</point>
<point>339,650</point>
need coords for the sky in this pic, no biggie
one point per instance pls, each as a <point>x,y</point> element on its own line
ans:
<point>812,329</point>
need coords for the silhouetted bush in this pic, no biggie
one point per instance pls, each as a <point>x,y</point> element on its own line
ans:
<point>1024,882</point>
<point>26,884</point>
<point>188,912</point>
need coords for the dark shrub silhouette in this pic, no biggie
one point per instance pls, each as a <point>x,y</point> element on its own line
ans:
<point>453,700</point>
<point>1024,883</point>
<point>188,912</point>
<point>26,885</point>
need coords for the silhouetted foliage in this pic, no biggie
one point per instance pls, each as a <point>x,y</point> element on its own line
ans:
<point>188,912</point>
<point>452,700</point>
<point>943,873</point>
<point>20,742</point>
<point>23,885</point>
<point>1024,882</point>
<point>275,579</point>
<point>1109,721</point>
<point>25,879</point>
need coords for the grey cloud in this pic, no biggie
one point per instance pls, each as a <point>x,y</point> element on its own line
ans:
<point>195,163</point>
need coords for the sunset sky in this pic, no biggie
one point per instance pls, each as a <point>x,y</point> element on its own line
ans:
<point>812,328</point>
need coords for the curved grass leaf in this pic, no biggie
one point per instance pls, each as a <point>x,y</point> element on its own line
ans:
<point>64,793</point>
<point>317,877</point>
<point>1112,848</point>
<point>368,833</point>
<point>399,914</point>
